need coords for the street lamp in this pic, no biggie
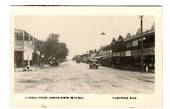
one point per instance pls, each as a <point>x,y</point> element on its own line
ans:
<point>103,33</point>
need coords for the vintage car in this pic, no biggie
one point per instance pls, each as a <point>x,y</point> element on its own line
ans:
<point>78,61</point>
<point>93,64</point>
<point>52,61</point>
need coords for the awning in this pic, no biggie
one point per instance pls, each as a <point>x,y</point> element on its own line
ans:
<point>98,57</point>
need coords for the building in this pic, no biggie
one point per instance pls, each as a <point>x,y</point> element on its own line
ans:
<point>26,50</point>
<point>84,58</point>
<point>126,53</point>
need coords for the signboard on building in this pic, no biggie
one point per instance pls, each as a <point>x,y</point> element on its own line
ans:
<point>128,53</point>
<point>148,51</point>
<point>28,50</point>
<point>19,48</point>
<point>134,43</point>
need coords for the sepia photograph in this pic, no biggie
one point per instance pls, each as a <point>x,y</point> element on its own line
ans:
<point>84,54</point>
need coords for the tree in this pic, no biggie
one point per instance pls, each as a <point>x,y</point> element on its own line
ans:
<point>63,51</point>
<point>52,44</point>
<point>54,48</point>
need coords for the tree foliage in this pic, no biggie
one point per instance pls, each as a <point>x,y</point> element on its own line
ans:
<point>54,48</point>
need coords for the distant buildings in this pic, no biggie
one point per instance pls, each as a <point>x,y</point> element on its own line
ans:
<point>26,51</point>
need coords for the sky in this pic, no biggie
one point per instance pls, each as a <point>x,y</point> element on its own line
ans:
<point>82,33</point>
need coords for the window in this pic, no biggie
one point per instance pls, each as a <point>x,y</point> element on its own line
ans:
<point>128,44</point>
<point>31,38</point>
<point>19,36</point>
<point>26,36</point>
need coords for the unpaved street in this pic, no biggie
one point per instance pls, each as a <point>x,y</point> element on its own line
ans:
<point>70,77</point>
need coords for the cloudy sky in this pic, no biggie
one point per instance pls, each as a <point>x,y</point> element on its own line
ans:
<point>81,33</point>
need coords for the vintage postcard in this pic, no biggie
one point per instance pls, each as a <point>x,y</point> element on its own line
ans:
<point>86,56</point>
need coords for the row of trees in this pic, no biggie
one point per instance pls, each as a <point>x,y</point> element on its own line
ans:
<point>52,50</point>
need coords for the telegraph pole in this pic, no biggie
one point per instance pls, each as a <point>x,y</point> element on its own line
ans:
<point>141,22</point>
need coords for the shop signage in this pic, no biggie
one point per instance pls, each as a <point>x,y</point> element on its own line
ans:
<point>128,53</point>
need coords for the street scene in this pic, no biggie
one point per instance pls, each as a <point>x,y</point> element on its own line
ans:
<point>78,78</point>
<point>84,54</point>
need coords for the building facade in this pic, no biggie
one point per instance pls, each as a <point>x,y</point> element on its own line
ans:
<point>127,53</point>
<point>25,49</point>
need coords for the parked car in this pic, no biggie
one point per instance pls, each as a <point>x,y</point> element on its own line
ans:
<point>78,61</point>
<point>53,61</point>
<point>93,64</point>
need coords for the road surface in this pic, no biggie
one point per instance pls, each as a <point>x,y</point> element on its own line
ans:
<point>70,77</point>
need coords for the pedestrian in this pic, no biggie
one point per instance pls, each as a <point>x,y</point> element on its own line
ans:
<point>28,67</point>
<point>146,68</point>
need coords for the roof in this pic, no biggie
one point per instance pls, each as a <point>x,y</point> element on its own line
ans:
<point>144,33</point>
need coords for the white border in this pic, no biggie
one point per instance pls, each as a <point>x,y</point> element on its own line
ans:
<point>5,40</point>
<point>97,100</point>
